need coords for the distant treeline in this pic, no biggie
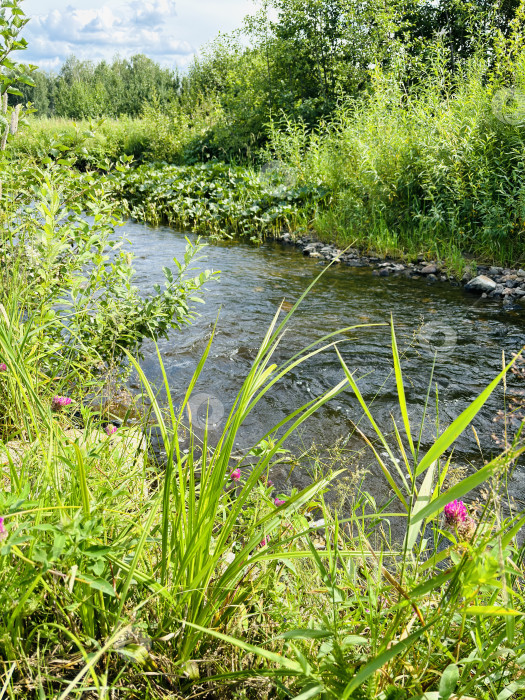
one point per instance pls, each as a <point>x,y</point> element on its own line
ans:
<point>83,89</point>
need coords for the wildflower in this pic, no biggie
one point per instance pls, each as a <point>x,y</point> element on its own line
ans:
<point>266,482</point>
<point>264,542</point>
<point>3,367</point>
<point>458,520</point>
<point>59,402</point>
<point>111,429</point>
<point>466,528</point>
<point>3,531</point>
<point>236,474</point>
<point>455,513</point>
<point>278,502</point>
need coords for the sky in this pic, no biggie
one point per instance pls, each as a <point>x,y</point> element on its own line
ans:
<point>168,31</point>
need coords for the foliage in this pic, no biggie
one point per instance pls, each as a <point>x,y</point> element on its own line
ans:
<point>12,73</point>
<point>126,572</point>
<point>84,90</point>
<point>431,171</point>
<point>75,279</point>
<point>216,198</point>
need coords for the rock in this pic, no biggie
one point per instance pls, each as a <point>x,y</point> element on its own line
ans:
<point>497,292</point>
<point>432,278</point>
<point>429,270</point>
<point>520,273</point>
<point>519,292</point>
<point>315,254</point>
<point>481,283</point>
<point>384,272</point>
<point>495,271</point>
<point>122,405</point>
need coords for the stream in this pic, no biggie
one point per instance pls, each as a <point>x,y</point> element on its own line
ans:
<point>467,335</point>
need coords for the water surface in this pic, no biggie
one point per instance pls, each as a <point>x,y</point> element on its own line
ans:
<point>469,335</point>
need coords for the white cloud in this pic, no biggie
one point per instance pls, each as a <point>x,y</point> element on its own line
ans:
<point>136,27</point>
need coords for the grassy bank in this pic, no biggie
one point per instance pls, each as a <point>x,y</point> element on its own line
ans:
<point>437,170</point>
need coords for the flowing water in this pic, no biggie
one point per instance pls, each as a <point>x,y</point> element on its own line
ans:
<point>466,334</point>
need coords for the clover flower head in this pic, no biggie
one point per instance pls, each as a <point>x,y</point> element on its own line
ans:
<point>58,402</point>
<point>455,513</point>
<point>466,529</point>
<point>278,502</point>
<point>3,367</point>
<point>264,542</point>
<point>236,474</point>
<point>111,429</point>
<point>3,531</point>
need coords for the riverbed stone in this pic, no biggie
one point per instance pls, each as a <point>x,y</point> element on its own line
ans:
<point>481,283</point>
<point>429,269</point>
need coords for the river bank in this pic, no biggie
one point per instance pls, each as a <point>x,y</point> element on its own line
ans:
<point>487,281</point>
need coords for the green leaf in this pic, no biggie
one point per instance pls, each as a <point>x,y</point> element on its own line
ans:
<point>462,421</point>
<point>448,682</point>
<point>306,634</point>
<point>98,583</point>
<point>491,610</point>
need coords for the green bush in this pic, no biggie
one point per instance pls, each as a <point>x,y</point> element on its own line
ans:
<point>432,169</point>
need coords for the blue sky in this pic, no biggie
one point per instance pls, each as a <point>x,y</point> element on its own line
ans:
<point>169,31</point>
